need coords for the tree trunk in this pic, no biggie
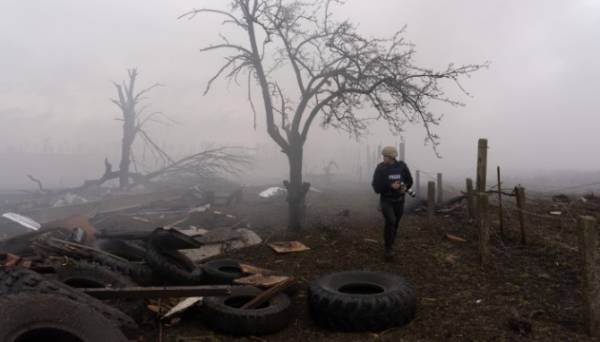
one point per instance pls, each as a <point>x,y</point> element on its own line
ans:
<point>296,188</point>
<point>128,137</point>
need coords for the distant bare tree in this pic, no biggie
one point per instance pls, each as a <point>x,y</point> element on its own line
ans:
<point>337,72</point>
<point>134,118</point>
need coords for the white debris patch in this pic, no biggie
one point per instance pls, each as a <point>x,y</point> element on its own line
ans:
<point>23,220</point>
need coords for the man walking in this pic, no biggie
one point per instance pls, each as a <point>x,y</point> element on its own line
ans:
<point>391,180</point>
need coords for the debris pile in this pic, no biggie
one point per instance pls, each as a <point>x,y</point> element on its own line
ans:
<point>117,279</point>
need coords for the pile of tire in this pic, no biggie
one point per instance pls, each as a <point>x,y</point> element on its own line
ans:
<point>361,301</point>
<point>38,309</point>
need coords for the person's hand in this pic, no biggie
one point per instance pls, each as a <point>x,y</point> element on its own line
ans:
<point>396,185</point>
<point>403,188</point>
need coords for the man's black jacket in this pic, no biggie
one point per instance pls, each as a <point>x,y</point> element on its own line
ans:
<point>386,174</point>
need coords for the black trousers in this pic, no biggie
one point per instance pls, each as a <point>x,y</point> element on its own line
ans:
<point>392,213</point>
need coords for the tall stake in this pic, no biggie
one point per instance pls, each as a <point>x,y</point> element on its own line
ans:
<point>481,168</point>
<point>500,216</point>
<point>588,249</point>
<point>430,200</point>
<point>440,189</point>
<point>402,151</point>
<point>481,164</point>
<point>520,192</point>
<point>470,198</point>
<point>417,184</point>
<point>484,228</point>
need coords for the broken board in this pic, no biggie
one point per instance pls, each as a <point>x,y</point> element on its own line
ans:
<point>288,246</point>
<point>261,280</point>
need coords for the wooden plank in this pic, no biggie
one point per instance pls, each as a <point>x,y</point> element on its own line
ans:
<point>261,280</point>
<point>288,246</point>
<point>159,292</point>
<point>268,294</point>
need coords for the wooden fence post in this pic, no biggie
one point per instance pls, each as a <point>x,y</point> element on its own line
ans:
<point>587,232</point>
<point>520,192</point>
<point>430,200</point>
<point>440,189</point>
<point>470,198</point>
<point>481,164</point>
<point>370,165</point>
<point>417,182</point>
<point>402,151</point>
<point>484,228</point>
<point>481,170</point>
<point>500,216</point>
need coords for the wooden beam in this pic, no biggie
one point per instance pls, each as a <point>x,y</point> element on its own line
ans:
<point>159,292</point>
<point>268,294</point>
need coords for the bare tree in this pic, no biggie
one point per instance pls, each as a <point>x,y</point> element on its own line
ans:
<point>134,118</point>
<point>337,73</point>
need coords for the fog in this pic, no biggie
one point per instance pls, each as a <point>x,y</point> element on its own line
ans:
<point>536,103</point>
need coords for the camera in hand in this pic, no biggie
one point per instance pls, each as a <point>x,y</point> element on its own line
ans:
<point>410,192</point>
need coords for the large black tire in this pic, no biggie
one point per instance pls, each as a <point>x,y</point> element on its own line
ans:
<point>222,271</point>
<point>173,267</point>
<point>83,274</point>
<point>172,240</point>
<point>18,280</point>
<point>224,315</point>
<point>139,272</point>
<point>130,250</point>
<point>361,301</point>
<point>30,317</point>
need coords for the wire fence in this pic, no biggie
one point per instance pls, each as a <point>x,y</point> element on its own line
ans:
<point>563,212</point>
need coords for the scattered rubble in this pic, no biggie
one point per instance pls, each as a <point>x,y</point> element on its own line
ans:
<point>123,266</point>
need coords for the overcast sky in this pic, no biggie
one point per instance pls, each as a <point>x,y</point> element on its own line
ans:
<point>537,103</point>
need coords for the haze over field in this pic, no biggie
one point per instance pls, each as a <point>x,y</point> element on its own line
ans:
<point>536,103</point>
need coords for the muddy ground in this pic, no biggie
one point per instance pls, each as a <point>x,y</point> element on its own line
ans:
<point>458,300</point>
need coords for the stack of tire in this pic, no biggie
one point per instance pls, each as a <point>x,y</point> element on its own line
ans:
<point>223,314</point>
<point>34,308</point>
